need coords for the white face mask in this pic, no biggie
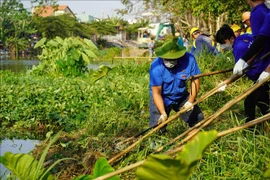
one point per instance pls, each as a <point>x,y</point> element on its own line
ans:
<point>170,63</point>
<point>226,47</point>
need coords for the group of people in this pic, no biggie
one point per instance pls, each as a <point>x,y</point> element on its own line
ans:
<point>174,65</point>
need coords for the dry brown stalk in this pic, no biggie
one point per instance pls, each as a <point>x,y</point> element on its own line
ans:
<point>193,77</point>
<point>179,149</point>
<point>228,105</point>
<point>211,73</point>
<point>229,80</point>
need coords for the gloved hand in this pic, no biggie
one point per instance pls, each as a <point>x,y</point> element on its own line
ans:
<point>263,75</point>
<point>162,118</point>
<point>188,106</point>
<point>222,88</point>
<point>239,67</point>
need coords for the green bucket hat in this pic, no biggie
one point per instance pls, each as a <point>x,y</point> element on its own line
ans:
<point>171,49</point>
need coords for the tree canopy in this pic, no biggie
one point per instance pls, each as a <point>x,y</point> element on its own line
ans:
<point>209,14</point>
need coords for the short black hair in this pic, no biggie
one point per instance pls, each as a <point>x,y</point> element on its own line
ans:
<point>225,32</point>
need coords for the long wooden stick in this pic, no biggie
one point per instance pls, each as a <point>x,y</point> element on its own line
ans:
<point>211,73</point>
<point>231,79</point>
<point>220,134</point>
<point>192,77</point>
<point>228,105</point>
<point>229,131</point>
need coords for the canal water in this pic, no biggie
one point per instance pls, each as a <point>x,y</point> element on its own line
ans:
<point>25,64</point>
<point>14,146</point>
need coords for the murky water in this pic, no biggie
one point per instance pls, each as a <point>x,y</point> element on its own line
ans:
<point>15,146</point>
<point>24,65</point>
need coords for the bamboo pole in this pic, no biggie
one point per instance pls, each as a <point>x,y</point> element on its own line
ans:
<point>229,80</point>
<point>192,77</point>
<point>232,130</point>
<point>207,121</point>
<point>211,73</point>
<point>220,134</point>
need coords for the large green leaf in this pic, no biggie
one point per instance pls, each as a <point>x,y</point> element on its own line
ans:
<point>101,168</point>
<point>267,173</point>
<point>59,40</point>
<point>74,54</point>
<point>90,53</point>
<point>23,166</point>
<point>163,166</point>
<point>76,42</point>
<point>85,58</point>
<point>40,43</point>
<point>52,43</point>
<point>90,43</point>
<point>101,72</point>
<point>193,150</point>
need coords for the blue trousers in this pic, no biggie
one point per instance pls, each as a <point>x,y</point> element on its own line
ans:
<point>191,117</point>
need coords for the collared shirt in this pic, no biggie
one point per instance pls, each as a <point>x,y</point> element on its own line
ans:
<point>204,42</point>
<point>265,31</point>
<point>173,80</point>
<point>241,44</point>
<point>257,16</point>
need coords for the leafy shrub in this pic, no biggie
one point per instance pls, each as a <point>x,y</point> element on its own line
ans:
<point>68,57</point>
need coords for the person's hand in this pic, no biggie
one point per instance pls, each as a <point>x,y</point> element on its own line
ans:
<point>162,118</point>
<point>239,67</point>
<point>222,88</point>
<point>188,105</point>
<point>263,75</point>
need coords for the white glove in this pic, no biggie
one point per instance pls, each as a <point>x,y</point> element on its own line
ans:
<point>188,105</point>
<point>239,67</point>
<point>222,88</point>
<point>162,118</point>
<point>263,75</point>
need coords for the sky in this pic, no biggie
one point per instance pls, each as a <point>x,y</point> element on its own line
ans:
<point>96,8</point>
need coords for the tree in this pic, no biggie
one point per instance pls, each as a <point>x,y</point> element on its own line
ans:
<point>209,14</point>
<point>63,26</point>
<point>15,25</point>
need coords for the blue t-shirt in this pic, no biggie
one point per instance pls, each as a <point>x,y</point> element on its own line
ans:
<point>173,79</point>
<point>257,16</point>
<point>205,43</point>
<point>241,44</point>
<point>265,31</point>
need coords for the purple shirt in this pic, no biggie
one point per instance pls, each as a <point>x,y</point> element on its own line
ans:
<point>257,16</point>
<point>241,44</point>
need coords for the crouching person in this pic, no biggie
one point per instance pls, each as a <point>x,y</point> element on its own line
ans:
<point>168,74</point>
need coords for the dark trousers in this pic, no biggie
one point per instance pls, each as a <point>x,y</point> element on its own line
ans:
<point>260,98</point>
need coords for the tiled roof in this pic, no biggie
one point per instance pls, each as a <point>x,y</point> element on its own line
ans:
<point>49,10</point>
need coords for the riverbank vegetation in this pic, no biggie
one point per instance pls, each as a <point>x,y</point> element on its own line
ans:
<point>95,115</point>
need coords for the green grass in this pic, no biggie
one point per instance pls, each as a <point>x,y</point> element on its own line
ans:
<point>116,107</point>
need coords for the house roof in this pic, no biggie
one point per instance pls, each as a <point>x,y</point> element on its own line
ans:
<point>49,10</point>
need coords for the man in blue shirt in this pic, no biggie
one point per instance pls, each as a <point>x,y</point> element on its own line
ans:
<point>257,15</point>
<point>202,42</point>
<point>168,74</point>
<point>260,24</point>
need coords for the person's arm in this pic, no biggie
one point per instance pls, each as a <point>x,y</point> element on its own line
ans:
<point>255,48</point>
<point>194,89</point>
<point>158,100</point>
